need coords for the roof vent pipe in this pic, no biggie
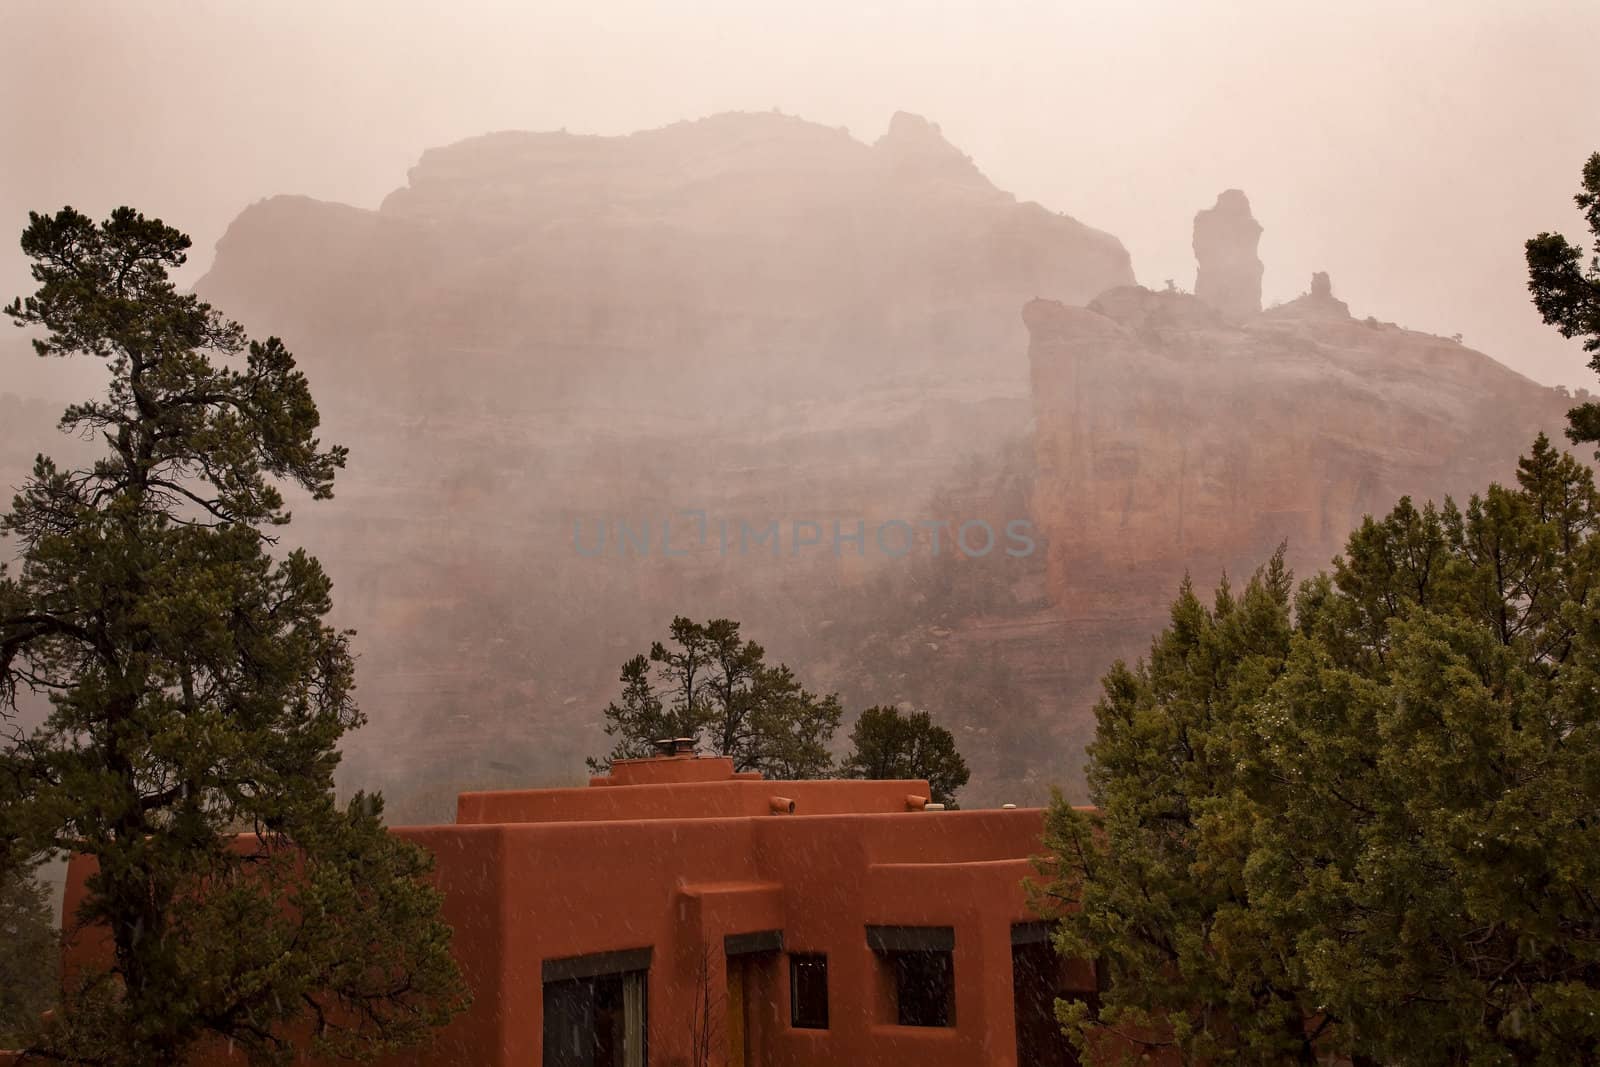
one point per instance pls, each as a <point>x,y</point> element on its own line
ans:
<point>781,805</point>
<point>683,746</point>
<point>915,803</point>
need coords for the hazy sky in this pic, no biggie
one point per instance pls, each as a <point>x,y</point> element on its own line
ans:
<point>1406,147</point>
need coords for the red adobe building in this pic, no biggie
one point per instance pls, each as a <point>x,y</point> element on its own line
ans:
<point>678,913</point>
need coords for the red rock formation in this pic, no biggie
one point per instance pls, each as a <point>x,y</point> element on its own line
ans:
<point>1171,439</point>
<point>739,259</point>
<point>1225,239</point>
<point>768,319</point>
<point>750,314</point>
<point>1318,303</point>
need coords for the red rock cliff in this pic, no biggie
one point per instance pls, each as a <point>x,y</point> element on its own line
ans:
<point>1171,439</point>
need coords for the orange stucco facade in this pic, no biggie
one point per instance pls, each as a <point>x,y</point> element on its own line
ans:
<point>711,892</point>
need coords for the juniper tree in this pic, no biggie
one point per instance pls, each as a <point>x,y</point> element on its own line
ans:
<point>1156,873</point>
<point>886,744</point>
<point>1364,818</point>
<point>1438,723</point>
<point>195,690</point>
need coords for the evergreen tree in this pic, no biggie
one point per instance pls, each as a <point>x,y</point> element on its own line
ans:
<point>884,744</point>
<point>708,682</point>
<point>1567,291</point>
<point>30,963</point>
<point>1366,825</point>
<point>1156,873</point>
<point>639,718</point>
<point>791,728</point>
<point>195,689</point>
<point>1439,708</point>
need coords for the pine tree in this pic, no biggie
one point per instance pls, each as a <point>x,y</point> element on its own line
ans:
<point>1567,291</point>
<point>196,690</point>
<point>708,682</point>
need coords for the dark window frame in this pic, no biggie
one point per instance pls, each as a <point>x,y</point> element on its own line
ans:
<point>885,939</point>
<point>752,943</point>
<point>596,964</point>
<point>810,1019</point>
<point>920,961</point>
<point>590,981</point>
<point>1032,933</point>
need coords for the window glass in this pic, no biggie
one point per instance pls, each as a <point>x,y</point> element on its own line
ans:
<point>924,987</point>
<point>808,992</point>
<point>596,1021</point>
<point>1039,978</point>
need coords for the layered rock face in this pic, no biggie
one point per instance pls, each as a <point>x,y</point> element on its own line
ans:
<point>1174,439</point>
<point>749,315</point>
<point>1229,271</point>
<point>764,319</point>
<point>740,260</point>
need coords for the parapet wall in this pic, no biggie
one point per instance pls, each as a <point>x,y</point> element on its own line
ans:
<point>688,788</point>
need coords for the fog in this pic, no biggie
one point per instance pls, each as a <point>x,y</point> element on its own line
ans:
<point>825,271</point>
<point>772,321</point>
<point>1406,148</point>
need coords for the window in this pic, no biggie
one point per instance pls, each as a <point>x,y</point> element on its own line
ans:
<point>920,961</point>
<point>594,1010</point>
<point>1039,978</point>
<point>808,992</point>
<point>924,988</point>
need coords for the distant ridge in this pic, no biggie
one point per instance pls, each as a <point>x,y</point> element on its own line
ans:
<point>753,254</point>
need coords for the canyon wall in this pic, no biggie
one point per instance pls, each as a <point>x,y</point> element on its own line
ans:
<point>1173,436</point>
<point>732,263</point>
<point>751,315</point>
<point>765,320</point>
